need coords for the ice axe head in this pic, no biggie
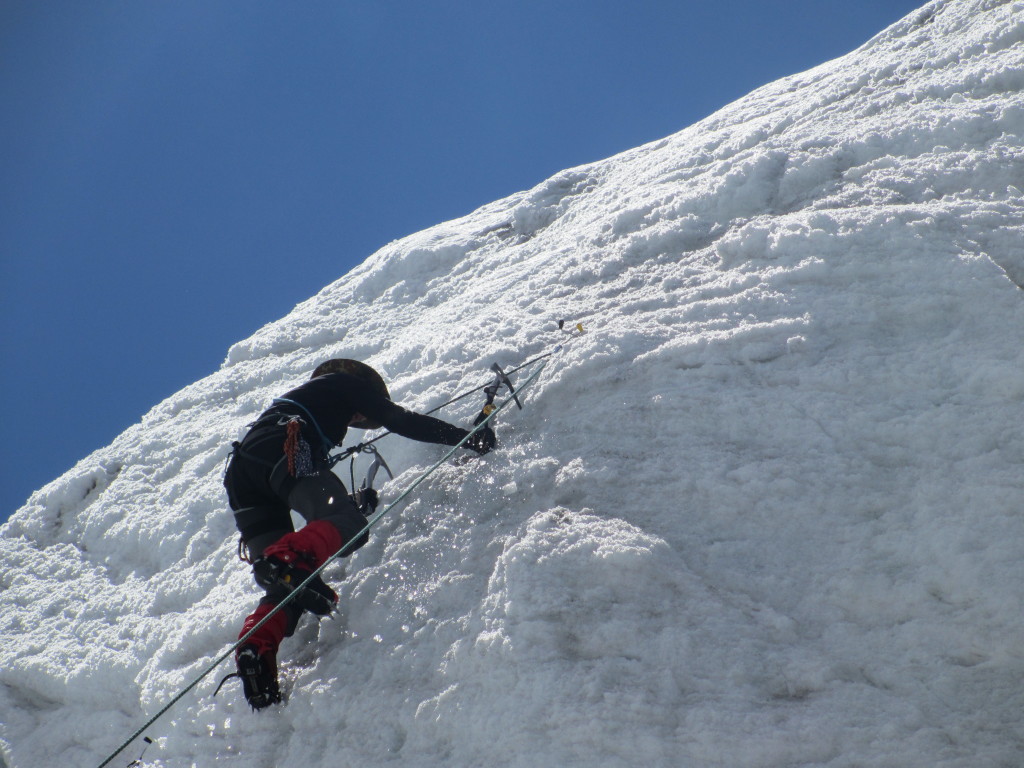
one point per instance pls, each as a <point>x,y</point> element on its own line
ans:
<point>501,378</point>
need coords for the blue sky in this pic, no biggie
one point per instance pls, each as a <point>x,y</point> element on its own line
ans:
<point>174,175</point>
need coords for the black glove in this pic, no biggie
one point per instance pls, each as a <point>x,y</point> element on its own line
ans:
<point>366,500</point>
<point>482,441</point>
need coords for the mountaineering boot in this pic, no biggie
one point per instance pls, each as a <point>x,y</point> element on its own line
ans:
<point>291,559</point>
<point>256,661</point>
<point>259,677</point>
<point>280,578</point>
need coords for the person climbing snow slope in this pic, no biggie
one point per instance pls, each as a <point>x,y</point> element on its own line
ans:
<point>282,464</point>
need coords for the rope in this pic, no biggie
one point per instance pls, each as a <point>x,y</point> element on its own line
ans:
<point>371,521</point>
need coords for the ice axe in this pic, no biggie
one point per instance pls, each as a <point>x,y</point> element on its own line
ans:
<point>366,497</point>
<point>501,379</point>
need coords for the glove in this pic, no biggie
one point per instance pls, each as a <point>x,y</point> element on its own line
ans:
<point>366,500</point>
<point>483,441</point>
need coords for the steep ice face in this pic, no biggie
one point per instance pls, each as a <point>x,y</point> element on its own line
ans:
<point>764,513</point>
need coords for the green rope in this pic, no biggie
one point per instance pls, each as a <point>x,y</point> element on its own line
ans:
<point>371,521</point>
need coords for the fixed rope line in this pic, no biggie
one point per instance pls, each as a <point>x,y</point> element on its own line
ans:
<point>370,522</point>
<point>484,386</point>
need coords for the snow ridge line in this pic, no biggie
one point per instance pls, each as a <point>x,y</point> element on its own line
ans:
<point>371,521</point>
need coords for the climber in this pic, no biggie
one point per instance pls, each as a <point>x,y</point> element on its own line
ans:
<point>281,465</point>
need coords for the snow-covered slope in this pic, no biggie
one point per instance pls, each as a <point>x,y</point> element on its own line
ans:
<point>766,512</point>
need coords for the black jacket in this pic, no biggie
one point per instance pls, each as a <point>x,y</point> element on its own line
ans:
<point>333,399</point>
<point>257,476</point>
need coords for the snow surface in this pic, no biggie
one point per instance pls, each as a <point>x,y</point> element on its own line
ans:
<point>766,512</point>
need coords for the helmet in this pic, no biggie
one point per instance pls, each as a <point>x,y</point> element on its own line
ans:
<point>360,371</point>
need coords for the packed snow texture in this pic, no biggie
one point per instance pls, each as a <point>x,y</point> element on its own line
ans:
<point>765,512</point>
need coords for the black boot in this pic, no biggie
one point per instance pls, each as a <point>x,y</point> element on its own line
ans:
<point>259,676</point>
<point>277,576</point>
